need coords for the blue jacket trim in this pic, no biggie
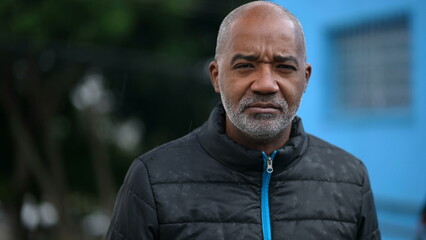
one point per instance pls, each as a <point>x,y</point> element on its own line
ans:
<point>264,197</point>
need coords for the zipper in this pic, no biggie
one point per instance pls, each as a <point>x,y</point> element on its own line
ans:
<point>264,194</point>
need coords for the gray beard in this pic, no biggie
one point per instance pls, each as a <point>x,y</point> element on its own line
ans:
<point>262,126</point>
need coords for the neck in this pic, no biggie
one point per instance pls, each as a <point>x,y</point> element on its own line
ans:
<point>266,145</point>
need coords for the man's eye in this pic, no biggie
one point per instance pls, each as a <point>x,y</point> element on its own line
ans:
<point>286,67</point>
<point>243,66</point>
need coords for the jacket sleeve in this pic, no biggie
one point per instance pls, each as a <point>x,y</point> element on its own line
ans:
<point>368,228</point>
<point>135,215</point>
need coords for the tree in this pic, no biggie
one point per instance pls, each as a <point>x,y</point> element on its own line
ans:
<point>150,54</point>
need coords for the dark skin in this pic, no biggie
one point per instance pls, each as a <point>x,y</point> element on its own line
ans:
<point>263,56</point>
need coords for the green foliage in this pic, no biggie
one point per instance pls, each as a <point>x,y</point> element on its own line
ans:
<point>152,55</point>
<point>79,21</point>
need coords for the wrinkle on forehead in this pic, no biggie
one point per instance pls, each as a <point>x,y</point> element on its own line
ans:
<point>262,33</point>
<point>260,10</point>
<point>264,38</point>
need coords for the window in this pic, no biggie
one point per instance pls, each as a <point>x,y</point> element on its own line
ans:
<point>372,66</point>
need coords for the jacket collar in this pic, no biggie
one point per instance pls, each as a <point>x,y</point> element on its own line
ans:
<point>214,140</point>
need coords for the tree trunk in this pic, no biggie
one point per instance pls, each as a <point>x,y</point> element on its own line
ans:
<point>101,161</point>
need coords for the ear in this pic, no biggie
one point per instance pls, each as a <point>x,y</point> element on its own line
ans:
<point>214,73</point>
<point>308,72</point>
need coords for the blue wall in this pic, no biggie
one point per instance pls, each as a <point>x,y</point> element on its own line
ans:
<point>391,143</point>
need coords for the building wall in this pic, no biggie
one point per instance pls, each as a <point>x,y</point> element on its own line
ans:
<point>390,142</point>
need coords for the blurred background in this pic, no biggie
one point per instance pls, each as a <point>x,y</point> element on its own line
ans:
<point>367,95</point>
<point>87,86</point>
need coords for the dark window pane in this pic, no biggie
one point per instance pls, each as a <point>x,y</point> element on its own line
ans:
<point>373,65</point>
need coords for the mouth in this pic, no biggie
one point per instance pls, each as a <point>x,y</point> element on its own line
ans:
<point>263,107</point>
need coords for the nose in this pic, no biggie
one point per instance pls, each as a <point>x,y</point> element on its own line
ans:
<point>264,82</point>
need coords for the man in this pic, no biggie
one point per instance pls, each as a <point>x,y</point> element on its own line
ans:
<point>250,172</point>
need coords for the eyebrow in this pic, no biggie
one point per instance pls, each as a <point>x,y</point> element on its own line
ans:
<point>239,56</point>
<point>286,59</point>
<point>277,58</point>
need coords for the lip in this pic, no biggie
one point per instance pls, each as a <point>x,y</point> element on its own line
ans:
<point>263,107</point>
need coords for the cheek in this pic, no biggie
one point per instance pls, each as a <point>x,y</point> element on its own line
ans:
<point>233,89</point>
<point>292,90</point>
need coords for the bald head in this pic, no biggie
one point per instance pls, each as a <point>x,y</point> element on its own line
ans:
<point>257,9</point>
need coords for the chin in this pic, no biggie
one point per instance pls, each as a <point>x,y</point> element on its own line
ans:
<point>264,116</point>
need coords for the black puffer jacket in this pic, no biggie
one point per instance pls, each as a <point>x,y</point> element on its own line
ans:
<point>206,186</point>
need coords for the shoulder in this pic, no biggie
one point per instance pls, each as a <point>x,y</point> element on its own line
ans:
<point>171,150</point>
<point>183,158</point>
<point>321,147</point>
<point>156,164</point>
<point>329,162</point>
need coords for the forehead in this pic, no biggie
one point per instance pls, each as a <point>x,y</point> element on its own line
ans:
<point>254,33</point>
